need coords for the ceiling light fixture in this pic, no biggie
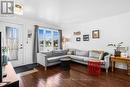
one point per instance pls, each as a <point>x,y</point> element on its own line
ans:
<point>18,9</point>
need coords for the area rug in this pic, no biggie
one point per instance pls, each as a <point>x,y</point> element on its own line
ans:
<point>27,72</point>
<point>24,68</point>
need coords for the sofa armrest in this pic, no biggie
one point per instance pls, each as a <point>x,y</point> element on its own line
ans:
<point>107,61</point>
<point>41,59</point>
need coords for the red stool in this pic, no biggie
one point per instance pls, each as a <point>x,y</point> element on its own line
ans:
<point>94,67</point>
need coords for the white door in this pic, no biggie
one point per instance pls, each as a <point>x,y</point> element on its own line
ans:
<point>13,40</point>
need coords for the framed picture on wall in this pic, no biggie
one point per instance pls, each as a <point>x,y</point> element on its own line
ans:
<point>95,34</point>
<point>77,33</point>
<point>86,37</point>
<point>78,39</point>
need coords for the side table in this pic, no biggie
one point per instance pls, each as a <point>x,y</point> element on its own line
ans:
<point>65,63</point>
<point>121,60</point>
<point>94,66</point>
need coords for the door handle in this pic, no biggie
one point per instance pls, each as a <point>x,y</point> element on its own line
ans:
<point>21,46</point>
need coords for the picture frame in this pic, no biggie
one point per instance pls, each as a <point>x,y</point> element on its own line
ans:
<point>86,37</point>
<point>78,39</point>
<point>95,34</point>
<point>77,33</point>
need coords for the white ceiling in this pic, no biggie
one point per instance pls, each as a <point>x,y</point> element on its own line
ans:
<point>73,11</point>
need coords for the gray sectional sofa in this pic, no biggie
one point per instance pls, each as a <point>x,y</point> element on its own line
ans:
<point>51,58</point>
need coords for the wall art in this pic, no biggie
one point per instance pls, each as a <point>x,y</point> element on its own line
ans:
<point>95,34</point>
<point>78,39</point>
<point>86,37</point>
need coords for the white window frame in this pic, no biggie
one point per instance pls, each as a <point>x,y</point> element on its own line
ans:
<point>46,49</point>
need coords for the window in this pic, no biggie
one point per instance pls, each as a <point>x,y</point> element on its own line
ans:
<point>48,39</point>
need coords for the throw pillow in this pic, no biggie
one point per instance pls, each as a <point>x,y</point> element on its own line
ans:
<point>82,53</point>
<point>96,54</point>
<point>64,52</point>
<point>57,53</point>
<point>104,54</point>
<point>48,54</point>
<point>71,52</point>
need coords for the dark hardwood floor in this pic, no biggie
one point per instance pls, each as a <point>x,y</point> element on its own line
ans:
<point>76,77</point>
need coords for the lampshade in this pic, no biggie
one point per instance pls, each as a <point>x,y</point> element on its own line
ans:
<point>64,39</point>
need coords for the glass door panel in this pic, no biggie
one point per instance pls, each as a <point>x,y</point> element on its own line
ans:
<point>12,42</point>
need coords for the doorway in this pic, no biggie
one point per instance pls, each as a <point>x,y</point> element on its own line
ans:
<point>13,40</point>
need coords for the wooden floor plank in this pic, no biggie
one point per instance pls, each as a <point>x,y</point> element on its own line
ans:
<point>76,77</point>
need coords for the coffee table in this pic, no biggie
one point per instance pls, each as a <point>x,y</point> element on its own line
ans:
<point>65,63</point>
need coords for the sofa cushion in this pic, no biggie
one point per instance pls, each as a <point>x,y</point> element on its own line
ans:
<point>59,53</point>
<point>56,59</point>
<point>86,59</point>
<point>53,59</point>
<point>65,52</point>
<point>80,58</point>
<point>48,54</point>
<point>96,54</point>
<point>82,53</point>
<point>71,52</point>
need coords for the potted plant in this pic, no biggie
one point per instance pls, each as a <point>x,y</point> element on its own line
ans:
<point>117,53</point>
<point>4,55</point>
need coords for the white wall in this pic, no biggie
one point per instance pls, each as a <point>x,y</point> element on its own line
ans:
<point>28,24</point>
<point>112,29</point>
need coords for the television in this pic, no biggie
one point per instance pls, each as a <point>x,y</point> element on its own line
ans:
<point>0,60</point>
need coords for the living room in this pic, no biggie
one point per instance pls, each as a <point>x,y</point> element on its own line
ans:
<point>39,37</point>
